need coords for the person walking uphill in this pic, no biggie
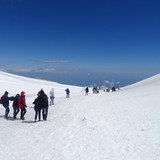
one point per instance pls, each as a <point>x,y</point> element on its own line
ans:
<point>5,102</point>
<point>42,104</point>
<point>86,91</point>
<point>37,108</point>
<point>52,97</point>
<point>22,105</point>
<point>15,106</point>
<point>67,93</point>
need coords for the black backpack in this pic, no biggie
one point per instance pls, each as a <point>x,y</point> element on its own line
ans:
<point>1,100</point>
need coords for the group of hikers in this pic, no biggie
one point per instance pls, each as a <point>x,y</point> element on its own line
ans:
<point>95,90</point>
<point>41,104</point>
<point>19,104</point>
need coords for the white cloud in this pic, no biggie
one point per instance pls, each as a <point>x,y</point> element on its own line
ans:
<point>53,61</point>
<point>44,70</point>
<point>27,70</point>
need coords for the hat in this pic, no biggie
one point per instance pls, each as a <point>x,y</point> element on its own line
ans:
<point>6,92</point>
<point>22,93</point>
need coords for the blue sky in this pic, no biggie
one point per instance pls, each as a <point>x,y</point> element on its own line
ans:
<point>81,42</point>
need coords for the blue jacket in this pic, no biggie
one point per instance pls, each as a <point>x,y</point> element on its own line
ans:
<point>67,91</point>
<point>5,100</point>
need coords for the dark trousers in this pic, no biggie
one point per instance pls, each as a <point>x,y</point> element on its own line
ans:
<point>15,111</point>
<point>45,113</point>
<point>38,113</point>
<point>6,111</point>
<point>23,112</point>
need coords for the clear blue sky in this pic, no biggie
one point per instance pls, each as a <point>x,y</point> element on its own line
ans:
<point>81,42</point>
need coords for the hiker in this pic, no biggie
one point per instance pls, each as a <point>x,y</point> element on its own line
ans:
<point>52,97</point>
<point>86,91</point>
<point>37,108</point>
<point>67,93</point>
<point>15,106</point>
<point>113,89</point>
<point>41,103</point>
<point>22,105</point>
<point>95,90</point>
<point>5,102</point>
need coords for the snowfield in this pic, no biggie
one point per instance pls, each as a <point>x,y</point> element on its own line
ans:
<point>123,125</point>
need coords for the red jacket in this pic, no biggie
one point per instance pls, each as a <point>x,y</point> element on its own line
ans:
<point>22,100</point>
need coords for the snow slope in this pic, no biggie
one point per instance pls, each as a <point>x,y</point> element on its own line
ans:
<point>15,84</point>
<point>123,125</point>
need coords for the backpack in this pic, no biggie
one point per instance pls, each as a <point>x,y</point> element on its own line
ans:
<point>1,100</point>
